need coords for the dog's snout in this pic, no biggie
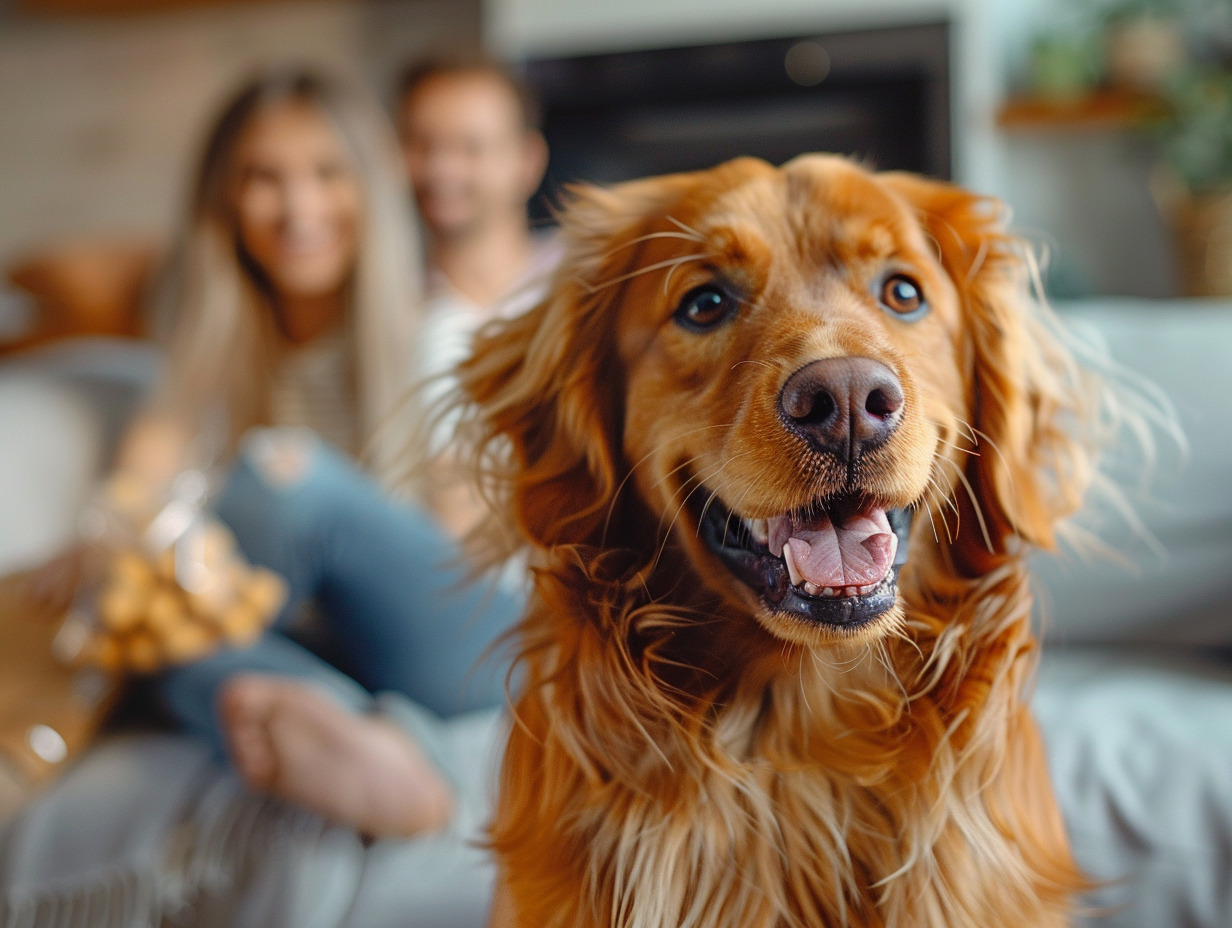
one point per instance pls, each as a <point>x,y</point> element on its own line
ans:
<point>843,405</point>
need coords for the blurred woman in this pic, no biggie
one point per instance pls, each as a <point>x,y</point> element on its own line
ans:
<point>289,313</point>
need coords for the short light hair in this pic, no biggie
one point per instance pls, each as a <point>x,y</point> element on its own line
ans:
<point>465,60</point>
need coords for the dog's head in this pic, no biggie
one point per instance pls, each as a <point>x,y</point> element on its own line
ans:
<point>776,372</point>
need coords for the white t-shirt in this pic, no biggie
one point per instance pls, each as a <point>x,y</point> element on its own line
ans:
<point>451,320</point>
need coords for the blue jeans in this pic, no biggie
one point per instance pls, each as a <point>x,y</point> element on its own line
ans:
<point>391,589</point>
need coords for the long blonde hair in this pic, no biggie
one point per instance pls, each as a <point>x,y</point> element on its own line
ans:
<point>215,316</point>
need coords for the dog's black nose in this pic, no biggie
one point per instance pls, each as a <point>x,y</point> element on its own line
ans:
<point>843,406</point>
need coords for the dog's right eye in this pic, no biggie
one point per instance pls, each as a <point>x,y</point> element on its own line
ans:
<point>704,308</point>
<point>902,296</point>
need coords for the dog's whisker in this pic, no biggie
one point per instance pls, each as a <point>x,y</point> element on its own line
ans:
<point>731,459</point>
<point>684,227</point>
<point>736,504</point>
<point>675,470</point>
<point>666,532</point>
<point>901,634</point>
<point>840,664</point>
<point>757,361</point>
<point>976,507</point>
<point>942,499</point>
<point>820,668</point>
<point>705,508</point>
<point>959,448</point>
<point>970,432</point>
<point>658,265</point>
<point>644,459</point>
<point>701,481</point>
<point>949,502</point>
<point>945,498</point>
<point>930,492</point>
<point>651,236</point>
<point>882,657</point>
<point>667,278</point>
<point>981,437</point>
<point>928,511</point>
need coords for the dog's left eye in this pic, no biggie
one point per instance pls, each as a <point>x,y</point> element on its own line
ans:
<point>903,297</point>
<point>704,308</point>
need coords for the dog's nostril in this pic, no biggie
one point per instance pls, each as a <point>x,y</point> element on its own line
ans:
<point>805,405</point>
<point>884,401</point>
<point>823,407</point>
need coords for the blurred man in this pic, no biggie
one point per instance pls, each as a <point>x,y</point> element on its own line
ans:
<point>475,155</point>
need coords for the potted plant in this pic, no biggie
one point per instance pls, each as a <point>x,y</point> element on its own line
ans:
<point>1194,184</point>
<point>1144,43</point>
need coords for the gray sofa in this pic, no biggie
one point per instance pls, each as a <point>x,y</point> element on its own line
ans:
<point>1134,696</point>
<point>1135,687</point>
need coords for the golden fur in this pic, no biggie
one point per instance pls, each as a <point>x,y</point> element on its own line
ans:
<point>681,756</point>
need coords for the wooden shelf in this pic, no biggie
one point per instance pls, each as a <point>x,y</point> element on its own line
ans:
<point>1100,110</point>
<point>113,7</point>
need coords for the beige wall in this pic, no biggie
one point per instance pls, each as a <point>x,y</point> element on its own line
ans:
<point>100,118</point>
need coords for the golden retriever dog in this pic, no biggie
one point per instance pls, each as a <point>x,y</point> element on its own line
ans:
<point>777,444</point>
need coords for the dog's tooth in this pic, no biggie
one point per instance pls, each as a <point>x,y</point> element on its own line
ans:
<point>811,588</point>
<point>759,529</point>
<point>829,591</point>
<point>793,572</point>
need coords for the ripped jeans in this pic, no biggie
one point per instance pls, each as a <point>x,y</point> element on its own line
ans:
<point>389,585</point>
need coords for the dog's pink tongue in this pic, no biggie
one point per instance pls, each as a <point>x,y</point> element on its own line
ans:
<point>856,551</point>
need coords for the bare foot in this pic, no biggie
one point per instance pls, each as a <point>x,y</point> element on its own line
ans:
<point>292,740</point>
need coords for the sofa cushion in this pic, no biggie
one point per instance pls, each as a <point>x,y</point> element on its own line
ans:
<point>1171,584</point>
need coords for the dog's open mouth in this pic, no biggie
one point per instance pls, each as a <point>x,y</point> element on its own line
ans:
<point>834,562</point>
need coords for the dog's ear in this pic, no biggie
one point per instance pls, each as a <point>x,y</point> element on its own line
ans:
<point>548,386</point>
<point>1030,400</point>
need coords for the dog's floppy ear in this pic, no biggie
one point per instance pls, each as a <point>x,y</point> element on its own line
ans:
<point>1031,402</point>
<point>548,385</point>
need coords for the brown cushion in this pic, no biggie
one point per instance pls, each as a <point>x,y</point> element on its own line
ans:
<point>84,288</point>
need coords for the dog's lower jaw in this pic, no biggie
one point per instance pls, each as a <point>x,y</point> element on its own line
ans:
<point>790,628</point>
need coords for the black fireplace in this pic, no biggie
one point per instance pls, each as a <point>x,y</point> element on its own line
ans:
<point>882,95</point>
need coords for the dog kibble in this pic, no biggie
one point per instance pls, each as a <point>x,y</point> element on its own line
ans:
<point>147,620</point>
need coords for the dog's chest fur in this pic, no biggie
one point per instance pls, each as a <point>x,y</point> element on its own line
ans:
<point>809,795</point>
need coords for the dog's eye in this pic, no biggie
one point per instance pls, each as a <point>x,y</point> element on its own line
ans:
<point>704,308</point>
<point>903,297</point>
